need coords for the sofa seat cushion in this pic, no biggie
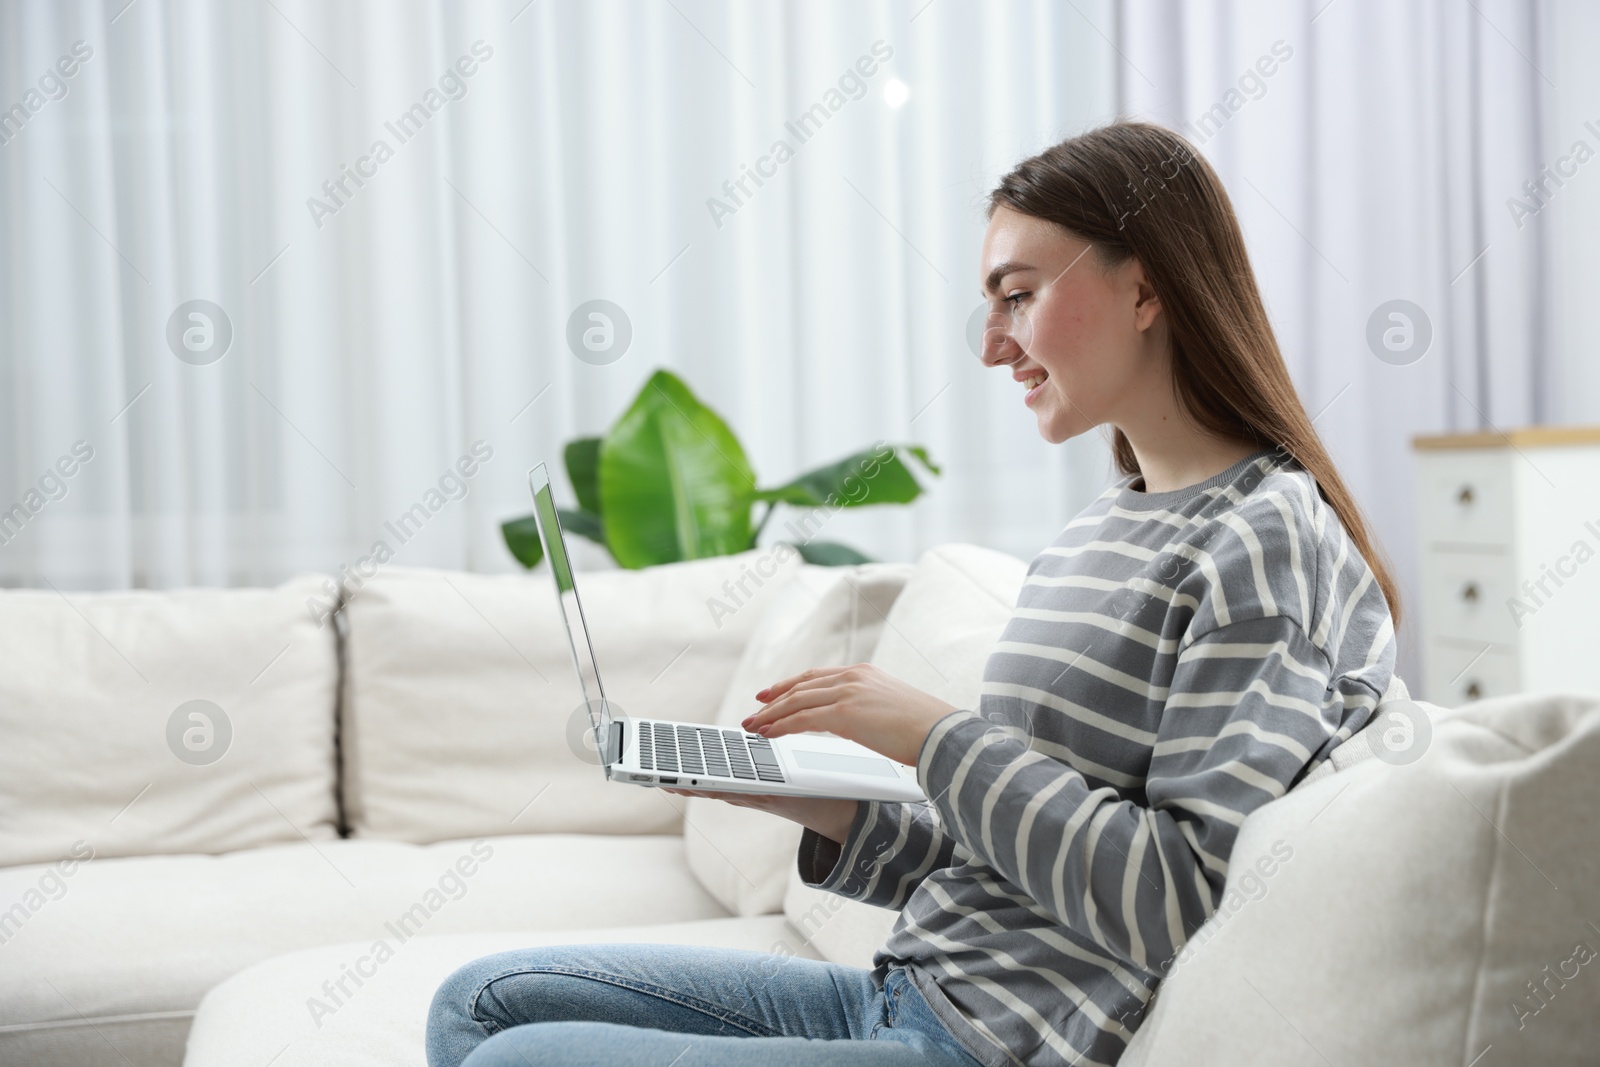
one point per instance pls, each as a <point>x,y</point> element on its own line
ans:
<point>262,1014</point>
<point>116,955</point>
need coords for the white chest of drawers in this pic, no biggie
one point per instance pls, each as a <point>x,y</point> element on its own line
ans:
<point>1510,529</point>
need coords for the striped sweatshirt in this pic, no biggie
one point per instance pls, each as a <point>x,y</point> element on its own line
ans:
<point>1174,661</point>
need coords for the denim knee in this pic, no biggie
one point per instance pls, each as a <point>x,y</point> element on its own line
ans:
<point>453,1027</point>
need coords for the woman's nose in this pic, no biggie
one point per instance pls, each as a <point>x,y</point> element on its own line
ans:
<point>998,346</point>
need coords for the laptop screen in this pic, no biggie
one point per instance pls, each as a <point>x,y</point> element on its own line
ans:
<point>555,550</point>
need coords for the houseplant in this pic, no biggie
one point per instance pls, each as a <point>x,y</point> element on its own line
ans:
<point>669,481</point>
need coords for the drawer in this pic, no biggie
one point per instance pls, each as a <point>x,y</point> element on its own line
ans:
<point>1465,497</point>
<point>1461,672</point>
<point>1464,596</point>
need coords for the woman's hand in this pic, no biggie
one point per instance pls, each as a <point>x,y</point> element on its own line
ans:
<point>860,702</point>
<point>828,816</point>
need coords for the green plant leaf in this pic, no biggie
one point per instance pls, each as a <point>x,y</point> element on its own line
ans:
<point>583,524</point>
<point>674,480</point>
<point>522,538</point>
<point>866,477</point>
<point>583,468</point>
<point>831,554</point>
<point>522,535</point>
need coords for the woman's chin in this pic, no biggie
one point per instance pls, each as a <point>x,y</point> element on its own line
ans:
<point>1056,428</point>
<point>1056,438</point>
<point>1052,432</point>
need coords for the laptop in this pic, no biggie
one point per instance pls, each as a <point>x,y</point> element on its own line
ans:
<point>654,752</point>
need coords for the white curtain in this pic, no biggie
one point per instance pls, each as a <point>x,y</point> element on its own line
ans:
<point>377,337</point>
<point>1370,157</point>
<point>422,306</point>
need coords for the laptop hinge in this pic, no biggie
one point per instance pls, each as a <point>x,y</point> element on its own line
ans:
<point>614,742</point>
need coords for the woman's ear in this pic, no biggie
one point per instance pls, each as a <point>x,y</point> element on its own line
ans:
<point>1146,304</point>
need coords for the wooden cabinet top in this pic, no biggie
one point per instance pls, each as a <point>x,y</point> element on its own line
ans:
<point>1526,437</point>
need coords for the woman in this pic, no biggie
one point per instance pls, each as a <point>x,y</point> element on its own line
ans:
<point>1191,645</point>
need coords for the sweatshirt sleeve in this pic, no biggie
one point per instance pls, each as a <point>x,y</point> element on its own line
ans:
<point>890,848</point>
<point>1249,706</point>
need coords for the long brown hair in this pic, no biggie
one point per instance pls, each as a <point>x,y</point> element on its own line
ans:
<point>1132,189</point>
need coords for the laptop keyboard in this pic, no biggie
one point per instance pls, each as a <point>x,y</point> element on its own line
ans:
<point>683,748</point>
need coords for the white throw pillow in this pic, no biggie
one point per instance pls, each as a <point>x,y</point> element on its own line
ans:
<point>949,618</point>
<point>938,637</point>
<point>826,617</point>
<point>462,713</point>
<point>1445,911</point>
<point>140,722</point>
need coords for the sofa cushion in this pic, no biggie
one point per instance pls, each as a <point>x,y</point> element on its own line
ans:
<point>119,952</point>
<point>938,636</point>
<point>948,619</point>
<point>838,930</point>
<point>826,617</point>
<point>195,720</point>
<point>1417,910</point>
<point>262,1012</point>
<point>461,705</point>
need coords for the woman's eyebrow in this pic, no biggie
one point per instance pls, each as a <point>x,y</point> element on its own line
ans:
<point>1008,267</point>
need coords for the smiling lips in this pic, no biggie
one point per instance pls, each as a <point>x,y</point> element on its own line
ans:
<point>1033,380</point>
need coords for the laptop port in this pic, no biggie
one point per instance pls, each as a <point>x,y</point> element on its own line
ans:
<point>669,781</point>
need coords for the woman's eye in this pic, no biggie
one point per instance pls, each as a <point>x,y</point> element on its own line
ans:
<point>1014,298</point>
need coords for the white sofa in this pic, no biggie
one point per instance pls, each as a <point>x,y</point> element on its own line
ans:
<point>409,789</point>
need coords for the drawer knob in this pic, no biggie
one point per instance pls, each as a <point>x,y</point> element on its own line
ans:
<point>1465,495</point>
<point>1469,592</point>
<point>1473,690</point>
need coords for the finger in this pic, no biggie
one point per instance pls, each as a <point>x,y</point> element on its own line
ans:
<point>802,721</point>
<point>800,699</point>
<point>822,678</point>
<point>777,689</point>
<point>821,683</point>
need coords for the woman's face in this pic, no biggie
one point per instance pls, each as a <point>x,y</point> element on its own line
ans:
<point>1055,313</point>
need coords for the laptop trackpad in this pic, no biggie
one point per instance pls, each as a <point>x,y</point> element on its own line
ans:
<point>812,760</point>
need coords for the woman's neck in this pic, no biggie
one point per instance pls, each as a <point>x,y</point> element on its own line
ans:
<point>1180,460</point>
<point>1173,450</point>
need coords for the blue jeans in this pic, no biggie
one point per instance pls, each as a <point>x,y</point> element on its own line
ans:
<point>665,1004</point>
